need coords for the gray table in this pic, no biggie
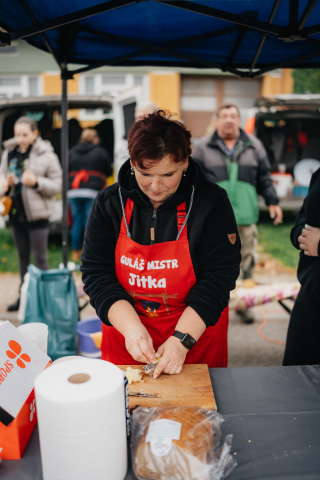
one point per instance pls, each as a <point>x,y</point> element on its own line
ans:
<point>273,413</point>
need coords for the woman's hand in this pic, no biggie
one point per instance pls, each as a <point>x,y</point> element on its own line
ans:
<point>11,180</point>
<point>139,343</point>
<point>28,179</point>
<point>4,184</point>
<point>309,241</point>
<point>173,355</point>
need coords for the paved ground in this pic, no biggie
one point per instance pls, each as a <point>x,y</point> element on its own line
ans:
<point>246,347</point>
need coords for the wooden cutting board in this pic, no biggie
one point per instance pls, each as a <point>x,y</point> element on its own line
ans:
<point>192,387</point>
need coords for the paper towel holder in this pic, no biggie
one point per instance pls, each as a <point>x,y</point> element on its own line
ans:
<point>78,378</point>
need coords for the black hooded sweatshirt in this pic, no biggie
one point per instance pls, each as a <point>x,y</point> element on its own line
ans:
<point>90,157</point>
<point>309,267</point>
<point>215,256</point>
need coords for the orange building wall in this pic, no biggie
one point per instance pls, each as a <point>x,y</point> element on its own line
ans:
<point>165,90</point>
<point>52,84</point>
<point>274,85</point>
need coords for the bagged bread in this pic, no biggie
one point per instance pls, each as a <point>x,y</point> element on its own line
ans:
<point>175,443</point>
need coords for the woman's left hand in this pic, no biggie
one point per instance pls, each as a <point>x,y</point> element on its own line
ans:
<point>309,241</point>
<point>173,355</point>
<point>28,179</point>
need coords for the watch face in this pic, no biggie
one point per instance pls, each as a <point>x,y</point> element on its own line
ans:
<point>188,341</point>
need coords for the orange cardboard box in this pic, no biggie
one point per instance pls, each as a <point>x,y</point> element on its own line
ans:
<point>20,363</point>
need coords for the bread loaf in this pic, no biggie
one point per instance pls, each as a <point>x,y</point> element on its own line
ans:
<point>187,457</point>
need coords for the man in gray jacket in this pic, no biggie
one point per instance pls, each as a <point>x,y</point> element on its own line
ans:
<point>238,162</point>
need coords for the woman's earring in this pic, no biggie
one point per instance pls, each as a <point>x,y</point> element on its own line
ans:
<point>132,171</point>
<point>185,172</point>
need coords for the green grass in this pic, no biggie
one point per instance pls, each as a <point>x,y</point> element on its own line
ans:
<point>276,241</point>
<point>9,256</point>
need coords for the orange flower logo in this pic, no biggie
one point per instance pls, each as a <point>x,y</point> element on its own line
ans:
<point>16,352</point>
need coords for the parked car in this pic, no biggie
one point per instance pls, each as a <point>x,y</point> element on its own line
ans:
<point>289,126</point>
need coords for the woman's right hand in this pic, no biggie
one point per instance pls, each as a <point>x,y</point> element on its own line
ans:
<point>139,343</point>
<point>4,184</point>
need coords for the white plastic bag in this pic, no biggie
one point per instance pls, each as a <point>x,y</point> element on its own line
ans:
<point>179,443</point>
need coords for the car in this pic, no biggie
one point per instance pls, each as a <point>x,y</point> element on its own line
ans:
<point>112,117</point>
<point>289,126</point>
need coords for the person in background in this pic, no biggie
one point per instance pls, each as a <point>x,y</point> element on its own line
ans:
<point>303,339</point>
<point>31,172</point>
<point>89,167</point>
<point>238,162</point>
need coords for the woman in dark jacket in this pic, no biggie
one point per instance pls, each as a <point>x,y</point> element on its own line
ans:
<point>161,254</point>
<point>89,167</point>
<point>303,340</point>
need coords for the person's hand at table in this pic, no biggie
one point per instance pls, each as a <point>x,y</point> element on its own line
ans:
<point>309,241</point>
<point>276,214</point>
<point>28,179</point>
<point>173,355</point>
<point>139,343</point>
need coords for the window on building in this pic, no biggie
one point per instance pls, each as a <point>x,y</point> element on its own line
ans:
<point>199,86</point>
<point>113,79</point>
<point>241,87</point>
<point>137,79</point>
<point>10,81</point>
<point>241,102</point>
<point>242,92</point>
<point>198,102</point>
<point>89,85</point>
<point>33,86</point>
<point>105,84</point>
<point>19,86</point>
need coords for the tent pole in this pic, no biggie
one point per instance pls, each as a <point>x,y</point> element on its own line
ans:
<point>65,165</point>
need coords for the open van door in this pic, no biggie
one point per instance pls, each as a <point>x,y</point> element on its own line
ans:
<point>123,116</point>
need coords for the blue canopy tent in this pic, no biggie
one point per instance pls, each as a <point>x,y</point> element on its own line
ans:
<point>243,37</point>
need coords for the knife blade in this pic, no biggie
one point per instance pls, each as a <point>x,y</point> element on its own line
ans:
<point>143,395</point>
<point>150,367</point>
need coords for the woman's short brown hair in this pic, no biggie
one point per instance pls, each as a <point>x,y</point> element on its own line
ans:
<point>156,135</point>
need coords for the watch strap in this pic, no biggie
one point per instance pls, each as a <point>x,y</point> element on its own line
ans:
<point>178,335</point>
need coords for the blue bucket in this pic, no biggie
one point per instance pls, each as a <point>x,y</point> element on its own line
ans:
<point>86,344</point>
<point>300,191</point>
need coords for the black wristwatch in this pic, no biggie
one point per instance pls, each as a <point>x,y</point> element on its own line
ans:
<point>186,339</point>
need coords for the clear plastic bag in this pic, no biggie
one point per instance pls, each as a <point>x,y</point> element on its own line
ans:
<point>180,443</point>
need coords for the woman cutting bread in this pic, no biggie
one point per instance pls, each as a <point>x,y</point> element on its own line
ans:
<point>161,255</point>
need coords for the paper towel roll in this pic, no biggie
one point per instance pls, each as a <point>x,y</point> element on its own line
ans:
<point>82,421</point>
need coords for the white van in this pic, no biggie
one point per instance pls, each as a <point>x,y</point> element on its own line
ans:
<point>112,117</point>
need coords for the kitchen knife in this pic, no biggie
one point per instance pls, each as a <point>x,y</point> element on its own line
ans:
<point>150,367</point>
<point>143,395</point>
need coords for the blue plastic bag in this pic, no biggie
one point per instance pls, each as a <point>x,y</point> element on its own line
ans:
<point>52,299</point>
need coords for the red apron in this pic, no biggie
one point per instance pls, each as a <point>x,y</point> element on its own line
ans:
<point>159,277</point>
